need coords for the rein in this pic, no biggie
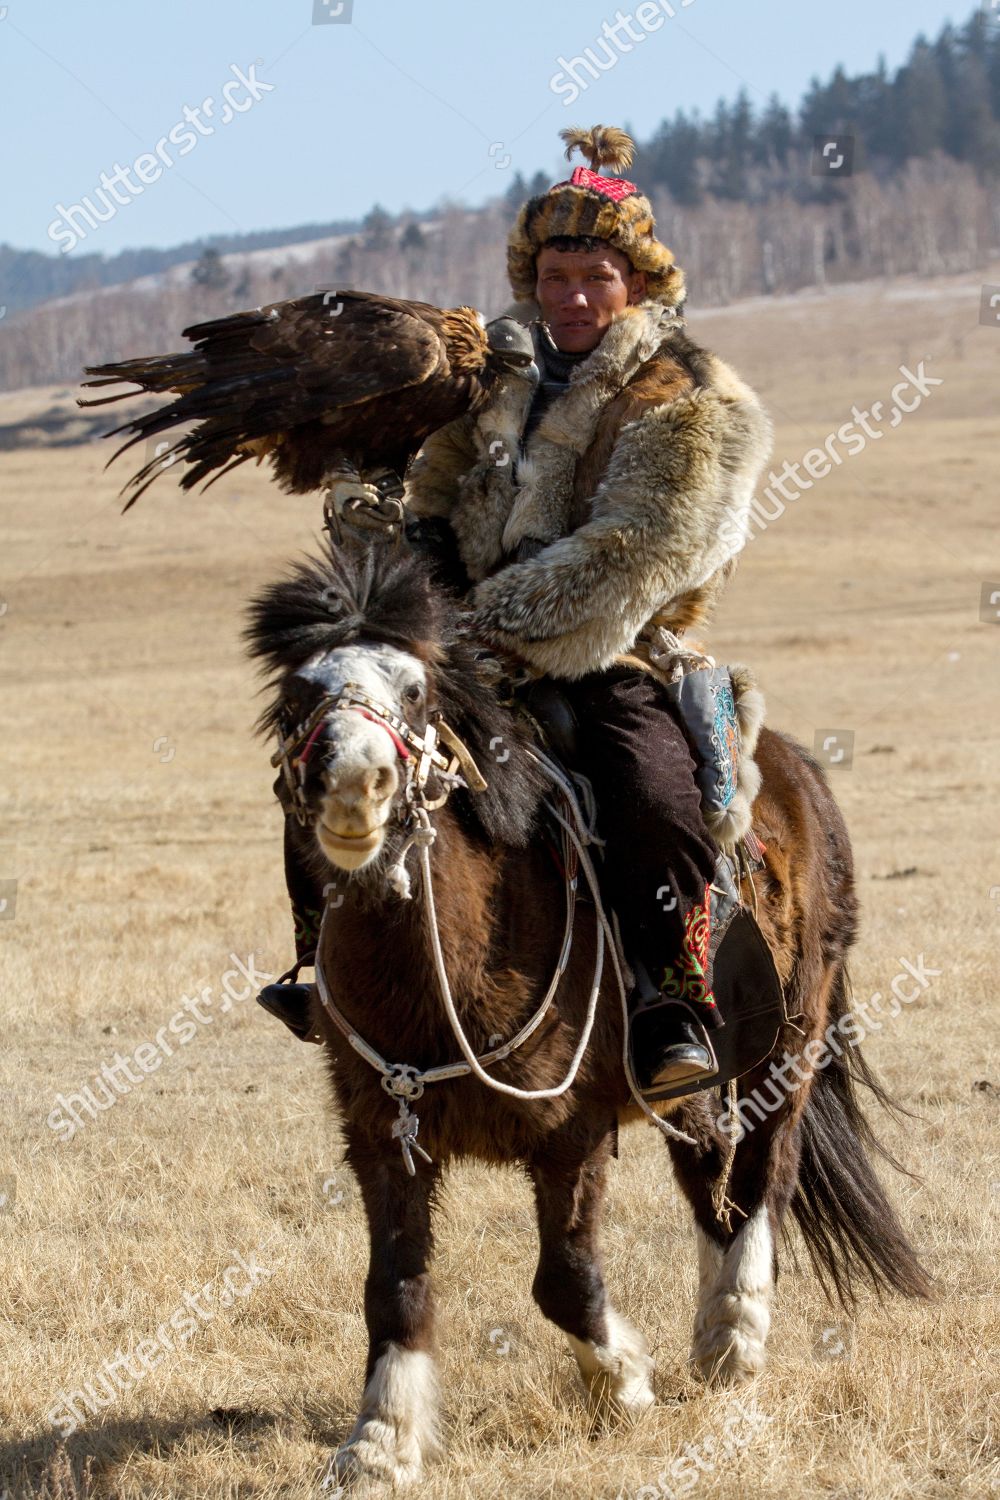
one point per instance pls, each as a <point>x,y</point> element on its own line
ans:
<point>402,1081</point>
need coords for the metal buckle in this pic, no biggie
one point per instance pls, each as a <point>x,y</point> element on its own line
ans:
<point>402,1082</point>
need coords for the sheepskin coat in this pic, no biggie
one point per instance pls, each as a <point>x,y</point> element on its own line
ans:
<point>633,494</point>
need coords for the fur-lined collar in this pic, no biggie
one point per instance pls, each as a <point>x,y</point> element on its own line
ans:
<point>633,337</point>
<point>528,494</point>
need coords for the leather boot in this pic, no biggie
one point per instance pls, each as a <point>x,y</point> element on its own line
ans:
<point>668,1044</point>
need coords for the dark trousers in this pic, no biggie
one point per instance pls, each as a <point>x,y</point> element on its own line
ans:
<point>659,858</point>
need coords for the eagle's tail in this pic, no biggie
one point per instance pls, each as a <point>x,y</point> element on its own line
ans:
<point>159,372</point>
<point>197,396</point>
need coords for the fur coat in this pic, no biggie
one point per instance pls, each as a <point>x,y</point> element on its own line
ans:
<point>633,493</point>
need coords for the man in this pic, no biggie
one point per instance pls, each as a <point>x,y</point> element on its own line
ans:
<point>611,497</point>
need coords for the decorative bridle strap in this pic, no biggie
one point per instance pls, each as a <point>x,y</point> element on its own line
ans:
<point>394,735</point>
<point>455,768</point>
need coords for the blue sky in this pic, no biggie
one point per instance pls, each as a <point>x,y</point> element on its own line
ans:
<point>404,103</point>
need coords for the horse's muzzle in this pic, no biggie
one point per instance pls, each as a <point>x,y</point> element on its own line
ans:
<point>359,783</point>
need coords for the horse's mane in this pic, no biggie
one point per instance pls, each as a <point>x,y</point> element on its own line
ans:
<point>384,594</point>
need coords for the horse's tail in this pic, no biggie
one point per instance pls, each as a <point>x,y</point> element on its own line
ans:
<point>851,1230</point>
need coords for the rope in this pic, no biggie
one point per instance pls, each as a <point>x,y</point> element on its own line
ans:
<point>456,1026</point>
<point>604,929</point>
<point>423,836</point>
<point>721,1202</point>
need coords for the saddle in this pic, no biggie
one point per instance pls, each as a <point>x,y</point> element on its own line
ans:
<point>747,988</point>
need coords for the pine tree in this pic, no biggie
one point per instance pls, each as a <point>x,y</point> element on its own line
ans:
<point>674,156</point>
<point>208,270</point>
<point>377,226</point>
<point>774,135</point>
<point>921,105</point>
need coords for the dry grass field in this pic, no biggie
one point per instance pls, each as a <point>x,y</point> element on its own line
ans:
<point>141,848</point>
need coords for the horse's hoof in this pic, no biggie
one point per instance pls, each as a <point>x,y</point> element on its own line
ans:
<point>734,1363</point>
<point>367,1466</point>
<point>608,1409</point>
<point>618,1373</point>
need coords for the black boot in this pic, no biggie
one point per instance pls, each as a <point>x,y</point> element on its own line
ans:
<point>292,1002</point>
<point>668,1044</point>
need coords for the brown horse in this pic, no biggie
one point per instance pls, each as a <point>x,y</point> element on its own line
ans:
<point>365,650</point>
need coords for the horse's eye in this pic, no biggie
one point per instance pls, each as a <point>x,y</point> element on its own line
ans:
<point>414,693</point>
<point>293,709</point>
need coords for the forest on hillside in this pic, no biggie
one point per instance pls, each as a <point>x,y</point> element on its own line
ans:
<point>944,101</point>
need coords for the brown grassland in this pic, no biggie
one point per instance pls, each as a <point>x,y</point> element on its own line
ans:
<point>144,840</point>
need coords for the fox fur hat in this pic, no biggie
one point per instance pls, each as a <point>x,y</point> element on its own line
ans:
<point>607,208</point>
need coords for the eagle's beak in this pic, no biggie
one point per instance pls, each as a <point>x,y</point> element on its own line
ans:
<point>520,364</point>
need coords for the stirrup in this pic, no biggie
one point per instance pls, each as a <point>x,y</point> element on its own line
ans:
<point>290,1002</point>
<point>697,1053</point>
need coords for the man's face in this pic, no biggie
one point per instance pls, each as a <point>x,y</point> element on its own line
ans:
<point>580,291</point>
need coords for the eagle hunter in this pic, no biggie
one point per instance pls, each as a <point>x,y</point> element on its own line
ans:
<point>332,382</point>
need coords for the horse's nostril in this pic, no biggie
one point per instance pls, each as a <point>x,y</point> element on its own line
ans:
<point>384,782</point>
<point>373,784</point>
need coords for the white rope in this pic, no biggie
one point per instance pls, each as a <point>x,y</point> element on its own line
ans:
<point>456,1025</point>
<point>423,837</point>
<point>670,1131</point>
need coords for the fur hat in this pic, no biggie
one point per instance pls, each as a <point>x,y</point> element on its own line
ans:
<point>608,208</point>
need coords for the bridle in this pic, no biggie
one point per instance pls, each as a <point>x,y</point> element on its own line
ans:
<point>418,751</point>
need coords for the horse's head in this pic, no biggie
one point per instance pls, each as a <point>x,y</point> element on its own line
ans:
<point>366,672</point>
<point>350,709</point>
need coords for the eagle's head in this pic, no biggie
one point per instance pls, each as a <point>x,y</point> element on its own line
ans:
<point>511,348</point>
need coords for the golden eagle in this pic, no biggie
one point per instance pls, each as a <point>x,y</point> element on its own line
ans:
<point>329,382</point>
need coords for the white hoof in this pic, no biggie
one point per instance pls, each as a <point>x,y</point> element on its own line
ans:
<point>734,1317</point>
<point>618,1373</point>
<point>397,1428</point>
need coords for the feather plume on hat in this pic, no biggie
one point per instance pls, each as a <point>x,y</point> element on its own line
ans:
<point>602,145</point>
<point>590,204</point>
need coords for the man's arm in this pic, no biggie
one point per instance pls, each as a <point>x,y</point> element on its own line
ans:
<point>669,512</point>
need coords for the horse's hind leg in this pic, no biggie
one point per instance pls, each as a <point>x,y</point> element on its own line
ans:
<point>396,1431</point>
<point>569,1286</point>
<point>736,1265</point>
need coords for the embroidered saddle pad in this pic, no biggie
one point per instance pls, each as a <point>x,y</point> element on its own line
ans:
<point>750,999</point>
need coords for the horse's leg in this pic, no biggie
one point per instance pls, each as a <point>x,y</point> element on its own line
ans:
<point>397,1427</point>
<point>736,1266</point>
<point>569,1286</point>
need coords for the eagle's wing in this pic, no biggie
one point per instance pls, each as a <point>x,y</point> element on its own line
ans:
<point>255,375</point>
<point>331,349</point>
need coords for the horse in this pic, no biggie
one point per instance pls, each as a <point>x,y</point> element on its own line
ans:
<point>373,677</point>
